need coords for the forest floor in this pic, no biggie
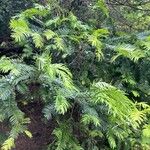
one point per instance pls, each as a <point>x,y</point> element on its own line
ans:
<point>41,131</point>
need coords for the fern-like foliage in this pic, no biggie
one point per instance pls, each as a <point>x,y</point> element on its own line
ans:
<point>65,139</point>
<point>59,59</point>
<point>128,51</point>
<point>113,98</point>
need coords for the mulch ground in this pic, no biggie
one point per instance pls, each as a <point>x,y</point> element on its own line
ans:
<point>42,132</point>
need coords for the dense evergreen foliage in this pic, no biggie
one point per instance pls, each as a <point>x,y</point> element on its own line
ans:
<point>90,73</point>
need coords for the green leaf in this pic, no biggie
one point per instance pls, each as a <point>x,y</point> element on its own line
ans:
<point>138,117</point>
<point>95,133</point>
<point>49,34</point>
<point>113,98</point>
<point>28,133</point>
<point>7,65</point>
<point>20,29</point>
<point>146,131</point>
<point>112,142</point>
<point>38,40</point>
<point>128,51</point>
<point>61,104</point>
<point>88,119</point>
<point>8,144</point>
<point>102,6</point>
<point>59,43</point>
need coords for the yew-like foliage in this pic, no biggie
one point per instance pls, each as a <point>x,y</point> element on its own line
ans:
<point>79,70</point>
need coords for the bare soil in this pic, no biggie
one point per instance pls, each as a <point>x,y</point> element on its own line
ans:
<point>41,131</point>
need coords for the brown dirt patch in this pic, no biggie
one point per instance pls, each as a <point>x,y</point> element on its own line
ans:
<point>41,131</point>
